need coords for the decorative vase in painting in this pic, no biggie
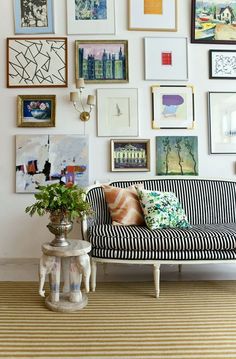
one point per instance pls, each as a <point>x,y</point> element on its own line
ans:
<point>40,114</point>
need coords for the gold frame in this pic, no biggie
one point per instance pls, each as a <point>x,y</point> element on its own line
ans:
<point>123,42</point>
<point>136,169</point>
<point>20,108</point>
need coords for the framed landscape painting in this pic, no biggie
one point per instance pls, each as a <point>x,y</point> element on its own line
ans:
<point>34,16</point>
<point>102,61</point>
<point>36,110</point>
<point>213,21</point>
<point>222,64</point>
<point>90,17</point>
<point>37,62</point>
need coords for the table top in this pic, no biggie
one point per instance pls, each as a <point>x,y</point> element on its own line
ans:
<point>77,247</point>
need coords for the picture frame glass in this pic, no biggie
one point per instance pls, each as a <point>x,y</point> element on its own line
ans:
<point>222,64</point>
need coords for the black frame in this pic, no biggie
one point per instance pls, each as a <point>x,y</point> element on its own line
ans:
<point>210,65</point>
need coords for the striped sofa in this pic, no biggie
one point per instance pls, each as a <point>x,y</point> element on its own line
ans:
<point>211,209</point>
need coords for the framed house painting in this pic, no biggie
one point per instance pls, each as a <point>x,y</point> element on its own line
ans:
<point>130,155</point>
<point>172,107</point>
<point>37,62</point>
<point>213,21</point>
<point>36,110</point>
<point>166,58</point>
<point>117,112</point>
<point>102,61</point>
<point>47,159</point>
<point>153,15</point>
<point>34,17</point>
<point>222,64</point>
<point>222,122</point>
<point>177,155</point>
<point>90,17</point>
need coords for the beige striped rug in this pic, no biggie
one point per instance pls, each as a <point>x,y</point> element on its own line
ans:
<point>123,320</point>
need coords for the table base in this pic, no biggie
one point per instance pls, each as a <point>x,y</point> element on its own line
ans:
<point>64,305</point>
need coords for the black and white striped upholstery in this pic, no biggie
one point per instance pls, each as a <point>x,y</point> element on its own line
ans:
<point>210,206</point>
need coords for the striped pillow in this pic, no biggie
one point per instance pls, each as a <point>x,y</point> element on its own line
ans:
<point>124,206</point>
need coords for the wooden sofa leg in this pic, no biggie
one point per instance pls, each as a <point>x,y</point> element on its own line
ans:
<point>93,274</point>
<point>156,273</point>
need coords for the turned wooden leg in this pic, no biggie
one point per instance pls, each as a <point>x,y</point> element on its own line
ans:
<point>156,273</point>
<point>93,274</point>
<point>180,268</point>
<point>55,280</point>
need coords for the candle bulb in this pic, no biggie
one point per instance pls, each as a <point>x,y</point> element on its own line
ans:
<point>91,100</point>
<point>74,97</point>
<point>80,83</point>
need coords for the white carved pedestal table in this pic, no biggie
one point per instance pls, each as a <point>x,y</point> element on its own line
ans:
<point>74,263</point>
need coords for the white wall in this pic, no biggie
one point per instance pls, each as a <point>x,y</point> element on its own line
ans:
<point>22,236</point>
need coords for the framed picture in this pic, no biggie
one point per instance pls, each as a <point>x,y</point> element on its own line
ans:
<point>177,155</point>
<point>47,159</point>
<point>102,61</point>
<point>130,155</point>
<point>90,17</point>
<point>222,64</point>
<point>34,17</point>
<point>153,15</point>
<point>37,62</point>
<point>172,107</point>
<point>166,58</point>
<point>213,22</point>
<point>36,110</point>
<point>117,112</point>
<point>222,122</point>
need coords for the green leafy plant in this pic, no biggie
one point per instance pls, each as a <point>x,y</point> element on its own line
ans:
<point>57,199</point>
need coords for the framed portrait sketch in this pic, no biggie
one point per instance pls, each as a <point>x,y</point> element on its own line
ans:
<point>90,17</point>
<point>117,112</point>
<point>130,155</point>
<point>222,122</point>
<point>102,61</point>
<point>36,110</point>
<point>213,22</point>
<point>172,107</point>
<point>166,58</point>
<point>153,15</point>
<point>37,62</point>
<point>222,64</point>
<point>34,16</point>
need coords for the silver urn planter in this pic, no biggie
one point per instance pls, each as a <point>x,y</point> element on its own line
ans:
<point>60,225</point>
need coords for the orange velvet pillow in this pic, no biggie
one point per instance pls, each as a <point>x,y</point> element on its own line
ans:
<point>124,206</point>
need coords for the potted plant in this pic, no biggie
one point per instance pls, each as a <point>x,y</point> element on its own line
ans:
<point>63,203</point>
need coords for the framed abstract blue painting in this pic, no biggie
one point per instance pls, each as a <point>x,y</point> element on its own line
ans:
<point>34,17</point>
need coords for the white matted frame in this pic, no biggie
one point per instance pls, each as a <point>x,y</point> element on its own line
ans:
<point>117,112</point>
<point>166,58</point>
<point>172,107</point>
<point>103,23</point>
<point>148,15</point>
<point>222,122</point>
<point>222,64</point>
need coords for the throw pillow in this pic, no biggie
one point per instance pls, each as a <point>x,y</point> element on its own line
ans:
<point>162,210</point>
<point>124,206</point>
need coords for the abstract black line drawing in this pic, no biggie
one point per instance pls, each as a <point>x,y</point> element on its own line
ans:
<point>37,62</point>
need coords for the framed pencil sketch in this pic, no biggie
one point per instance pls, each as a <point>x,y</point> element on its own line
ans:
<point>102,61</point>
<point>213,22</point>
<point>222,122</point>
<point>36,110</point>
<point>34,16</point>
<point>173,107</point>
<point>166,58</point>
<point>37,62</point>
<point>222,64</point>
<point>153,15</point>
<point>90,17</point>
<point>130,155</point>
<point>117,112</point>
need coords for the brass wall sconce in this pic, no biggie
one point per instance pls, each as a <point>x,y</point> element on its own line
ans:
<point>76,98</point>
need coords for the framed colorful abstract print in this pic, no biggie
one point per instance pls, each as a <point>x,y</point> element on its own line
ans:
<point>222,64</point>
<point>90,17</point>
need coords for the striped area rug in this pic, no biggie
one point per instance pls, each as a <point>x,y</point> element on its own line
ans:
<point>122,320</point>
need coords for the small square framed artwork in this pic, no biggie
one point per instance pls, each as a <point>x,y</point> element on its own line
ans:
<point>130,155</point>
<point>90,17</point>
<point>172,107</point>
<point>34,17</point>
<point>117,112</point>
<point>36,110</point>
<point>222,64</point>
<point>166,58</point>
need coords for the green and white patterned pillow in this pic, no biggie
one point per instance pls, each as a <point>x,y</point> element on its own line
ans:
<point>162,210</point>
